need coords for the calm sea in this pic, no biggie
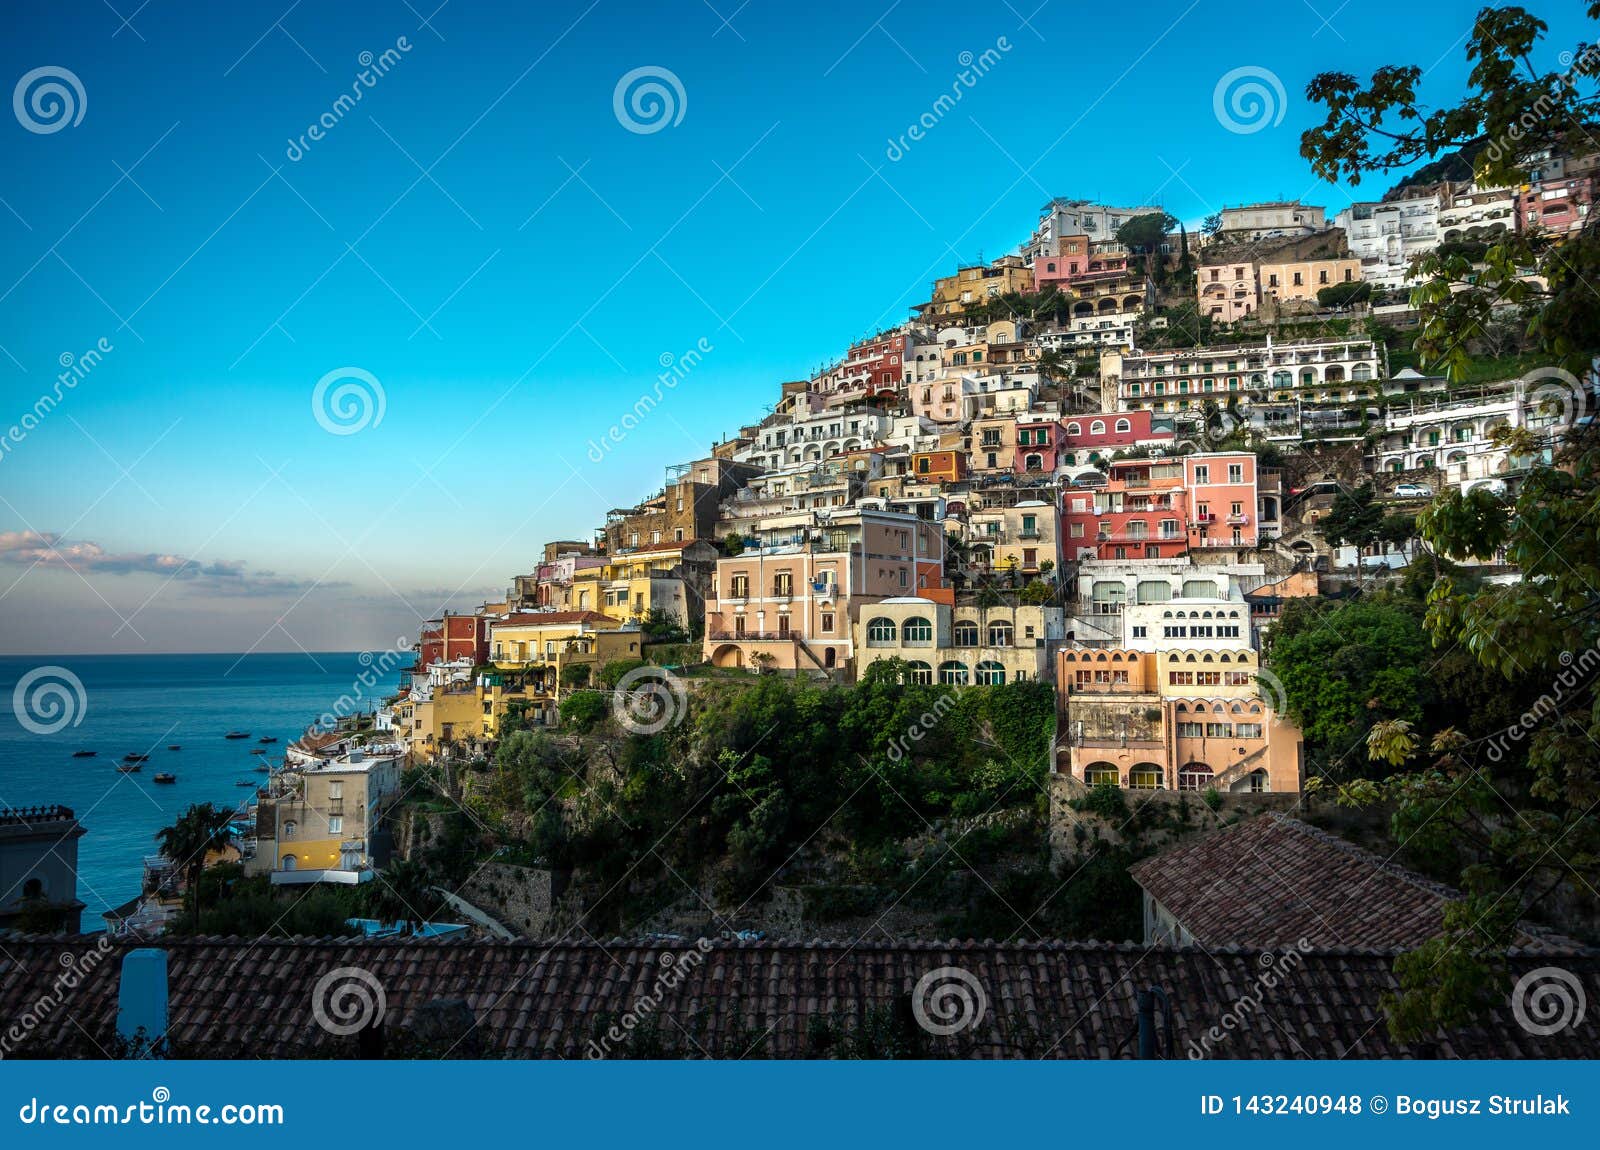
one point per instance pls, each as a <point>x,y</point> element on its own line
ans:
<point>142,703</point>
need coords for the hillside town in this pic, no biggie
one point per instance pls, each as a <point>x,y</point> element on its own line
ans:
<point>969,633</point>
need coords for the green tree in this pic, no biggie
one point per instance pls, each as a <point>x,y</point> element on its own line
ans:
<point>582,710</point>
<point>1545,766</point>
<point>1343,295</point>
<point>200,831</point>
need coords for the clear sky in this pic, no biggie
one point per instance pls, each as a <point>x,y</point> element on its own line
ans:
<point>508,259</point>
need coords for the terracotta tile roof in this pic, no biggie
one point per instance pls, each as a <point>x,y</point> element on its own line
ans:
<point>1272,880</point>
<point>243,998</point>
<point>534,618</point>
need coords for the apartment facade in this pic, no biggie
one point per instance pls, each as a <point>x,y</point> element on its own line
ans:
<point>961,646</point>
<point>1387,235</point>
<point>325,821</point>
<point>790,601</point>
<point>1184,720</point>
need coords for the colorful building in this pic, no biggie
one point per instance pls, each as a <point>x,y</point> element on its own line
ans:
<point>1186,720</point>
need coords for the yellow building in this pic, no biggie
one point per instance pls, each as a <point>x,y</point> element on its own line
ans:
<point>537,659</point>
<point>325,822</point>
<point>1303,279</point>
<point>1004,276</point>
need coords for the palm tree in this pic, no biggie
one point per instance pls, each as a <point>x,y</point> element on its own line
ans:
<point>200,831</point>
<point>404,892</point>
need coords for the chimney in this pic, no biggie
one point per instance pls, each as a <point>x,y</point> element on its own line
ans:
<point>142,999</point>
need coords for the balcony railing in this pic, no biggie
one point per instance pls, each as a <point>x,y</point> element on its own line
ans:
<point>753,636</point>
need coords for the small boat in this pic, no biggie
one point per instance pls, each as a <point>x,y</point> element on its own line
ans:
<point>264,769</point>
<point>129,768</point>
<point>130,757</point>
<point>257,751</point>
<point>267,739</point>
<point>165,777</point>
<point>245,783</point>
<point>237,735</point>
<point>174,747</point>
<point>84,754</point>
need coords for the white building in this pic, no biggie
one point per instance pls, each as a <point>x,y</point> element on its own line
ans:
<point>1273,220</point>
<point>1063,217</point>
<point>1454,438</point>
<point>1387,235</point>
<point>1478,214</point>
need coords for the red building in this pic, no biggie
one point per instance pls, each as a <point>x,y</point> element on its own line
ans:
<point>1037,441</point>
<point>1089,438</point>
<point>452,637</point>
<point>1142,512</point>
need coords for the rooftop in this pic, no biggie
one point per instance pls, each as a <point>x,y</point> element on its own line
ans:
<point>762,999</point>
<point>1273,880</point>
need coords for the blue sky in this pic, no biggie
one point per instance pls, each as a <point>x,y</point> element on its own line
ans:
<point>483,237</point>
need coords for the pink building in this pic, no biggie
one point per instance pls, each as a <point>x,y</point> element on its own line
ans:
<point>1087,438</point>
<point>1078,260</point>
<point>1559,206</point>
<point>791,601</point>
<point>1037,440</point>
<point>1228,292</point>
<point>1222,499</point>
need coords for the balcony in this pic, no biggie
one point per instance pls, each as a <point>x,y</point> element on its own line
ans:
<point>1028,533</point>
<point>753,636</point>
<point>1238,520</point>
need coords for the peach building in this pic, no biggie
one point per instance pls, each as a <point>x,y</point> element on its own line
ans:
<point>1221,489</point>
<point>1303,279</point>
<point>791,599</point>
<point>1174,720</point>
<point>1228,292</point>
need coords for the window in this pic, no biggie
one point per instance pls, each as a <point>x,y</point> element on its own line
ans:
<point>991,674</point>
<point>966,633</point>
<point>953,674</point>
<point>1123,425</point>
<point>917,631</point>
<point>335,825</point>
<point>881,631</point>
<point>1194,777</point>
<point>827,621</point>
<point>1000,634</point>
<point>919,672</point>
<point>1235,473</point>
<point>1145,779</point>
<point>1140,631</point>
<point>290,829</point>
<point>1202,473</point>
<point>1247,730</point>
<point>1100,774</point>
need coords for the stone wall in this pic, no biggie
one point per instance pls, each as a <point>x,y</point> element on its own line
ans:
<point>526,899</point>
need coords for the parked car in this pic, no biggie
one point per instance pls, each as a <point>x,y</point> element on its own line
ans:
<point>1412,491</point>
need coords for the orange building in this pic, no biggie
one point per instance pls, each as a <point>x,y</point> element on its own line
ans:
<point>1174,720</point>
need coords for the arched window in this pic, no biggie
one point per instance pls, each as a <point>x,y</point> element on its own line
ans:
<point>1098,427</point>
<point>1000,634</point>
<point>1033,463</point>
<point>919,672</point>
<point>881,632</point>
<point>1075,429</point>
<point>953,674</point>
<point>1145,777</point>
<point>1194,777</point>
<point>1101,774</point>
<point>1124,425</point>
<point>33,889</point>
<point>966,633</point>
<point>916,631</point>
<point>991,674</point>
<point>290,829</point>
<point>290,862</point>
